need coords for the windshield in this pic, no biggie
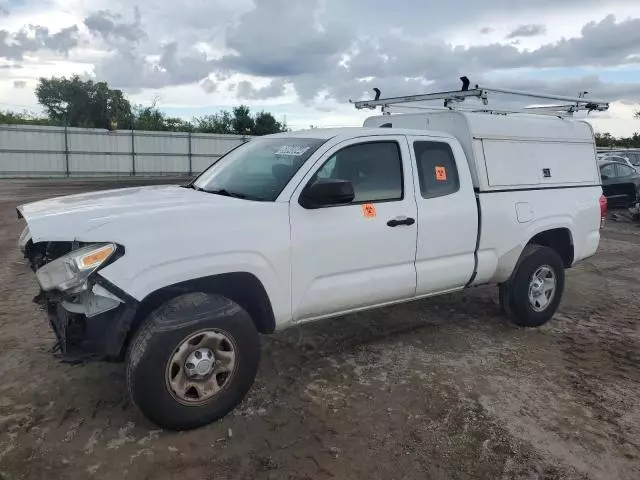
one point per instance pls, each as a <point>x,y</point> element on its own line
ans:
<point>259,169</point>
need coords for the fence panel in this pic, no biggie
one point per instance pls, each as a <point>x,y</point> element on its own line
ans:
<point>40,151</point>
<point>99,164</point>
<point>161,164</point>
<point>31,164</point>
<point>162,142</point>
<point>207,149</point>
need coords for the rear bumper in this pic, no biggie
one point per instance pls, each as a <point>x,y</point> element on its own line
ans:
<point>81,339</point>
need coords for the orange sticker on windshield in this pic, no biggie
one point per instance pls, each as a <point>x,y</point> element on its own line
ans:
<point>369,210</point>
<point>441,173</point>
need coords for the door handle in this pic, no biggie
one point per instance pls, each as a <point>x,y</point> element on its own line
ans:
<point>396,222</point>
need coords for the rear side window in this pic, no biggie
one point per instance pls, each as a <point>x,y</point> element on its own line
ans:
<point>624,170</point>
<point>437,170</point>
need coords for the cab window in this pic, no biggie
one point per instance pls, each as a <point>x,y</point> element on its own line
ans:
<point>374,169</point>
<point>437,171</point>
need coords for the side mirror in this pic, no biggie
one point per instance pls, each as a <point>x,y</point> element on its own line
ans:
<point>604,177</point>
<point>326,192</point>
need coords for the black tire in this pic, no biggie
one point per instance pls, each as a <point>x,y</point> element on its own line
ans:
<point>514,294</point>
<point>503,295</point>
<point>158,338</point>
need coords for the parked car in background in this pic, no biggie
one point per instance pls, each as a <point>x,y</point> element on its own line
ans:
<point>620,183</point>
<point>616,158</point>
<point>631,155</point>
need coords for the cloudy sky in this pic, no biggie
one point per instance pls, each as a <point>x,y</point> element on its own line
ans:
<point>304,59</point>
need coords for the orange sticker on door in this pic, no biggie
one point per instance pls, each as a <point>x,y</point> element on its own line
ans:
<point>441,173</point>
<point>369,210</point>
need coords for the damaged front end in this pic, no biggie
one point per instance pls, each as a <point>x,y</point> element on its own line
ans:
<point>89,316</point>
<point>91,325</point>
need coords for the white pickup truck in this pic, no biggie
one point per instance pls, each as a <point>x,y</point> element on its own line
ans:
<point>179,281</point>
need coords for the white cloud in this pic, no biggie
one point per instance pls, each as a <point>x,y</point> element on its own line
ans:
<point>618,119</point>
<point>309,56</point>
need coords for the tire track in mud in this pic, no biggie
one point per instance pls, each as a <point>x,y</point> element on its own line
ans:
<point>600,341</point>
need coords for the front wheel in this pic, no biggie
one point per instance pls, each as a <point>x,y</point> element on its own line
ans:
<point>192,360</point>
<point>532,294</point>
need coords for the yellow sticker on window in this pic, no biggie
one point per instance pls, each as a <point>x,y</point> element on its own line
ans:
<point>369,210</point>
<point>441,173</point>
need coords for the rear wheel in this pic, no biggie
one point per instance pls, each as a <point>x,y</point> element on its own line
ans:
<point>192,360</point>
<point>532,295</point>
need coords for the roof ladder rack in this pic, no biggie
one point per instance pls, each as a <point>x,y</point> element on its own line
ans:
<point>453,98</point>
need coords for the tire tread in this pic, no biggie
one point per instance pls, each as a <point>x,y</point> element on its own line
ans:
<point>166,326</point>
<point>514,299</point>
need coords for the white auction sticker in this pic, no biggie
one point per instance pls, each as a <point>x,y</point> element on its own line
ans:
<point>292,150</point>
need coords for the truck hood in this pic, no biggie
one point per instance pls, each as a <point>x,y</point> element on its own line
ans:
<point>73,217</point>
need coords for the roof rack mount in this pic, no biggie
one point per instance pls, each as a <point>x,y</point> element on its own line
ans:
<point>453,98</point>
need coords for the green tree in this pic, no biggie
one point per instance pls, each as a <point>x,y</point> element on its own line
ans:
<point>265,123</point>
<point>148,118</point>
<point>242,122</point>
<point>239,121</point>
<point>606,140</point>
<point>177,124</point>
<point>83,103</point>
<point>152,118</point>
<point>24,118</point>
<point>215,123</point>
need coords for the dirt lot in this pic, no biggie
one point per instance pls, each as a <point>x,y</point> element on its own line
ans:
<point>442,388</point>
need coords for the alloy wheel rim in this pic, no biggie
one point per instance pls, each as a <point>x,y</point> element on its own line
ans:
<point>542,288</point>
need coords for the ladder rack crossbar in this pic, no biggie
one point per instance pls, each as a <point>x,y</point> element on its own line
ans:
<point>544,96</point>
<point>487,110</point>
<point>458,96</point>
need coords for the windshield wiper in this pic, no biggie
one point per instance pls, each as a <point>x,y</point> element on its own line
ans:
<point>227,193</point>
<point>191,185</point>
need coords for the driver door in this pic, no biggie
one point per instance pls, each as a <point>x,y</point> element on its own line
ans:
<point>352,256</point>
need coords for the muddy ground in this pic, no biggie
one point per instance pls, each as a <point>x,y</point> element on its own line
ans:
<point>443,388</point>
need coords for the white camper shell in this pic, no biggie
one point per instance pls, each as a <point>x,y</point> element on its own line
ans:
<point>514,151</point>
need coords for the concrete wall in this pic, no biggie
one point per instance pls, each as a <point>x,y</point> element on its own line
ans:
<point>39,151</point>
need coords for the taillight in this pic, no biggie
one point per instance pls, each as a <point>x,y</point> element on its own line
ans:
<point>603,210</point>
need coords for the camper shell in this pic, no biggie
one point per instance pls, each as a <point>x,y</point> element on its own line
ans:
<point>512,151</point>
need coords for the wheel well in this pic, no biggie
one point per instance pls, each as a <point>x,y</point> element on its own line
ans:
<point>241,287</point>
<point>558,239</point>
